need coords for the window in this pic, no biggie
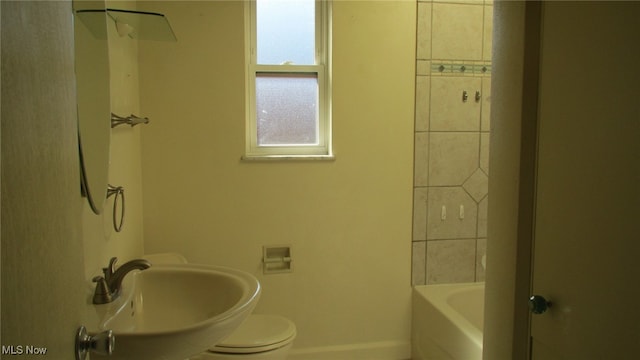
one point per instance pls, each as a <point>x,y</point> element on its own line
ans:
<point>288,86</point>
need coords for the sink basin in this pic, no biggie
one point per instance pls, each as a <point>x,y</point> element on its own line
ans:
<point>171,312</point>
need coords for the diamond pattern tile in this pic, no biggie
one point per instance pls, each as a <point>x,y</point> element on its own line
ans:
<point>477,185</point>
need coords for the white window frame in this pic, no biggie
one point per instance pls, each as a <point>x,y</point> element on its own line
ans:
<point>322,69</point>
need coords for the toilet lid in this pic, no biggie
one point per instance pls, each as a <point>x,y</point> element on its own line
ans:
<point>258,333</point>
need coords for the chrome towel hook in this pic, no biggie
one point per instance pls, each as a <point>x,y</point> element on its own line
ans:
<point>129,120</point>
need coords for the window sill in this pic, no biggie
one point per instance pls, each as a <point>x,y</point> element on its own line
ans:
<point>255,158</point>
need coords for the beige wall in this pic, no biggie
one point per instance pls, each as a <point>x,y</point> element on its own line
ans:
<point>348,221</point>
<point>101,240</point>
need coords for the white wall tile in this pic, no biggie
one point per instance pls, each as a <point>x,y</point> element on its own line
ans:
<point>451,141</point>
<point>449,112</point>
<point>476,2</point>
<point>418,262</point>
<point>451,261</point>
<point>423,89</point>
<point>452,227</point>
<point>421,159</point>
<point>423,67</point>
<point>484,152</point>
<point>485,117</point>
<point>477,185</point>
<point>423,46</point>
<point>420,213</point>
<point>453,157</point>
<point>488,33</point>
<point>482,217</point>
<point>481,250</point>
<point>457,31</point>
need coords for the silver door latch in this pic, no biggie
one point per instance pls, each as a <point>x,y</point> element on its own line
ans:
<point>102,343</point>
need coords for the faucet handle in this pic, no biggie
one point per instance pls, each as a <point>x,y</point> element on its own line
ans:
<point>109,270</point>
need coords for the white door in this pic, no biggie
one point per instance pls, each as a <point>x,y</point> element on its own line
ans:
<point>43,283</point>
<point>587,219</point>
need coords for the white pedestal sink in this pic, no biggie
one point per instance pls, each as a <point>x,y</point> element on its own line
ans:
<point>171,312</point>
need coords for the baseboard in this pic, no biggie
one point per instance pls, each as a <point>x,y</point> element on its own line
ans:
<point>383,350</point>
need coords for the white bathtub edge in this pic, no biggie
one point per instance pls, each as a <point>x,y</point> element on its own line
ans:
<point>439,331</point>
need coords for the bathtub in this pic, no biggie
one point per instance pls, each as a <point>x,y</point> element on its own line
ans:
<point>447,322</point>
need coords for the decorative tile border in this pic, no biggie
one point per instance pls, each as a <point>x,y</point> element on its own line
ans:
<point>459,68</point>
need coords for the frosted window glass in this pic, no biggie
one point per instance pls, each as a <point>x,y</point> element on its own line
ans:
<point>286,32</point>
<point>287,109</point>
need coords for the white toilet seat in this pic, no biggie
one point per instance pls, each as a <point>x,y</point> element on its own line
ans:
<point>258,333</point>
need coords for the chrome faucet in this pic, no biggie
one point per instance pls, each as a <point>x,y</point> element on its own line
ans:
<point>108,286</point>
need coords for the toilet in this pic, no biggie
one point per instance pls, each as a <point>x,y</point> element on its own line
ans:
<point>259,337</point>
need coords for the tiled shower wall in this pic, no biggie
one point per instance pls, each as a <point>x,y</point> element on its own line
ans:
<point>451,140</point>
